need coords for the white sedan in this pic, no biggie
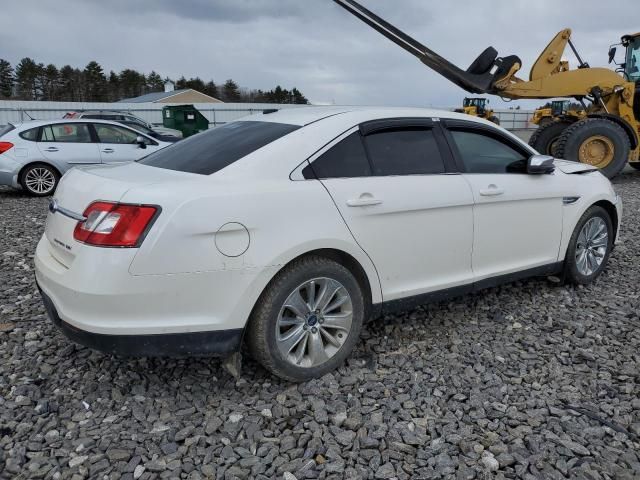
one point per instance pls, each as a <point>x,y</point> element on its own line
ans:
<point>34,155</point>
<point>286,231</point>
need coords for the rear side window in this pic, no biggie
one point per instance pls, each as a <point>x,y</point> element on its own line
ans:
<point>66,133</point>
<point>6,129</point>
<point>406,151</point>
<point>347,159</point>
<point>213,150</point>
<point>31,134</point>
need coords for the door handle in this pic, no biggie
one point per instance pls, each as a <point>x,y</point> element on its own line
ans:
<point>492,191</point>
<point>51,149</point>
<point>108,150</point>
<point>365,200</point>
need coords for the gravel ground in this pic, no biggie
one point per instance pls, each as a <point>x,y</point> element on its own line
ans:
<point>531,380</point>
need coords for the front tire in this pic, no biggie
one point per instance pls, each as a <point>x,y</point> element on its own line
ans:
<point>589,247</point>
<point>597,142</point>
<point>39,180</point>
<point>546,137</point>
<point>308,320</point>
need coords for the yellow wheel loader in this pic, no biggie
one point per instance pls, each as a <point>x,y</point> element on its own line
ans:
<point>477,107</point>
<point>555,110</point>
<point>552,122</point>
<point>607,136</point>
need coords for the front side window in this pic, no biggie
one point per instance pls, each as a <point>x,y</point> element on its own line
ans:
<point>484,153</point>
<point>115,134</point>
<point>347,159</point>
<point>215,149</point>
<point>66,133</point>
<point>405,151</point>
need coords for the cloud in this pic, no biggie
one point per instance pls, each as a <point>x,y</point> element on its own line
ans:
<point>311,44</point>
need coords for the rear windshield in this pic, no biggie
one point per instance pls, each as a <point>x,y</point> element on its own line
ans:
<point>4,129</point>
<point>213,150</point>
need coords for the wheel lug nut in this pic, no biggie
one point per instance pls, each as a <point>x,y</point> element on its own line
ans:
<point>314,330</point>
<point>305,327</point>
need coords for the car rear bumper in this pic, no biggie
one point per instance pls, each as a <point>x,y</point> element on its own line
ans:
<point>96,302</point>
<point>161,345</point>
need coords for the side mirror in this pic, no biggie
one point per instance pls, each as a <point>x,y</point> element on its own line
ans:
<point>140,141</point>
<point>540,165</point>
<point>612,54</point>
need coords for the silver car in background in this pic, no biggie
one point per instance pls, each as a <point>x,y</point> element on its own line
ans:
<point>34,155</point>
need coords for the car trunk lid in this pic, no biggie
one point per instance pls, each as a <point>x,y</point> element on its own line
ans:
<point>82,186</point>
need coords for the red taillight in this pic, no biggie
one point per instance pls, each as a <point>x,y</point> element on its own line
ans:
<point>4,146</point>
<point>115,225</point>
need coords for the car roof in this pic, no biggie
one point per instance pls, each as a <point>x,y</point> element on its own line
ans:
<point>303,116</point>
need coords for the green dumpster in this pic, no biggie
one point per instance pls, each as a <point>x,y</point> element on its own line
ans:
<point>185,118</point>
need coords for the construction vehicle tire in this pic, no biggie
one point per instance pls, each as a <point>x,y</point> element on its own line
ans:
<point>598,142</point>
<point>546,137</point>
<point>545,121</point>
<point>495,120</point>
<point>635,165</point>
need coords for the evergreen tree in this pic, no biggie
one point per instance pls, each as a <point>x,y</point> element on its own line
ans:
<point>94,83</point>
<point>50,83</point>
<point>230,91</point>
<point>154,82</point>
<point>132,83</point>
<point>113,87</point>
<point>6,79</point>
<point>211,89</point>
<point>27,73</point>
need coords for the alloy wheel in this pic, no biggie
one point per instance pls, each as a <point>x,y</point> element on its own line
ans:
<point>314,322</point>
<point>591,249</point>
<point>40,180</point>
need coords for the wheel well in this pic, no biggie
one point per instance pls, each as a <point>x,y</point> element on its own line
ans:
<point>626,126</point>
<point>37,163</point>
<point>613,213</point>
<point>351,264</point>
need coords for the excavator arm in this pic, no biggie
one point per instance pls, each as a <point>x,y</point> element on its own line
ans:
<point>483,76</point>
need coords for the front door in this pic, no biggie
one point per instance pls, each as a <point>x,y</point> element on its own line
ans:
<point>119,144</point>
<point>517,217</point>
<point>414,219</point>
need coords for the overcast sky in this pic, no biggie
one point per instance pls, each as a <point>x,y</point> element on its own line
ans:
<point>311,44</point>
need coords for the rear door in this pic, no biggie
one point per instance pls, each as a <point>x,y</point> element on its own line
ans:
<point>118,144</point>
<point>517,217</point>
<point>393,183</point>
<point>70,143</point>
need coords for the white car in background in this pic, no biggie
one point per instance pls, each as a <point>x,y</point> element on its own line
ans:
<point>34,155</point>
<point>288,230</point>
<point>161,133</point>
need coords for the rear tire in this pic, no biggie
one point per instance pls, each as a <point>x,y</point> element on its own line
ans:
<point>545,121</point>
<point>546,137</point>
<point>495,120</point>
<point>598,142</point>
<point>293,333</point>
<point>39,179</point>
<point>588,246</point>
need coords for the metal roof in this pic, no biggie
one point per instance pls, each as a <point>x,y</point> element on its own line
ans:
<point>154,97</point>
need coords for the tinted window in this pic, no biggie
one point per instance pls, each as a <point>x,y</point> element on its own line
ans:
<point>66,133</point>
<point>347,159</point>
<point>31,134</point>
<point>114,134</point>
<point>100,116</point>
<point>138,127</point>
<point>6,129</point>
<point>213,150</point>
<point>412,151</point>
<point>482,153</point>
